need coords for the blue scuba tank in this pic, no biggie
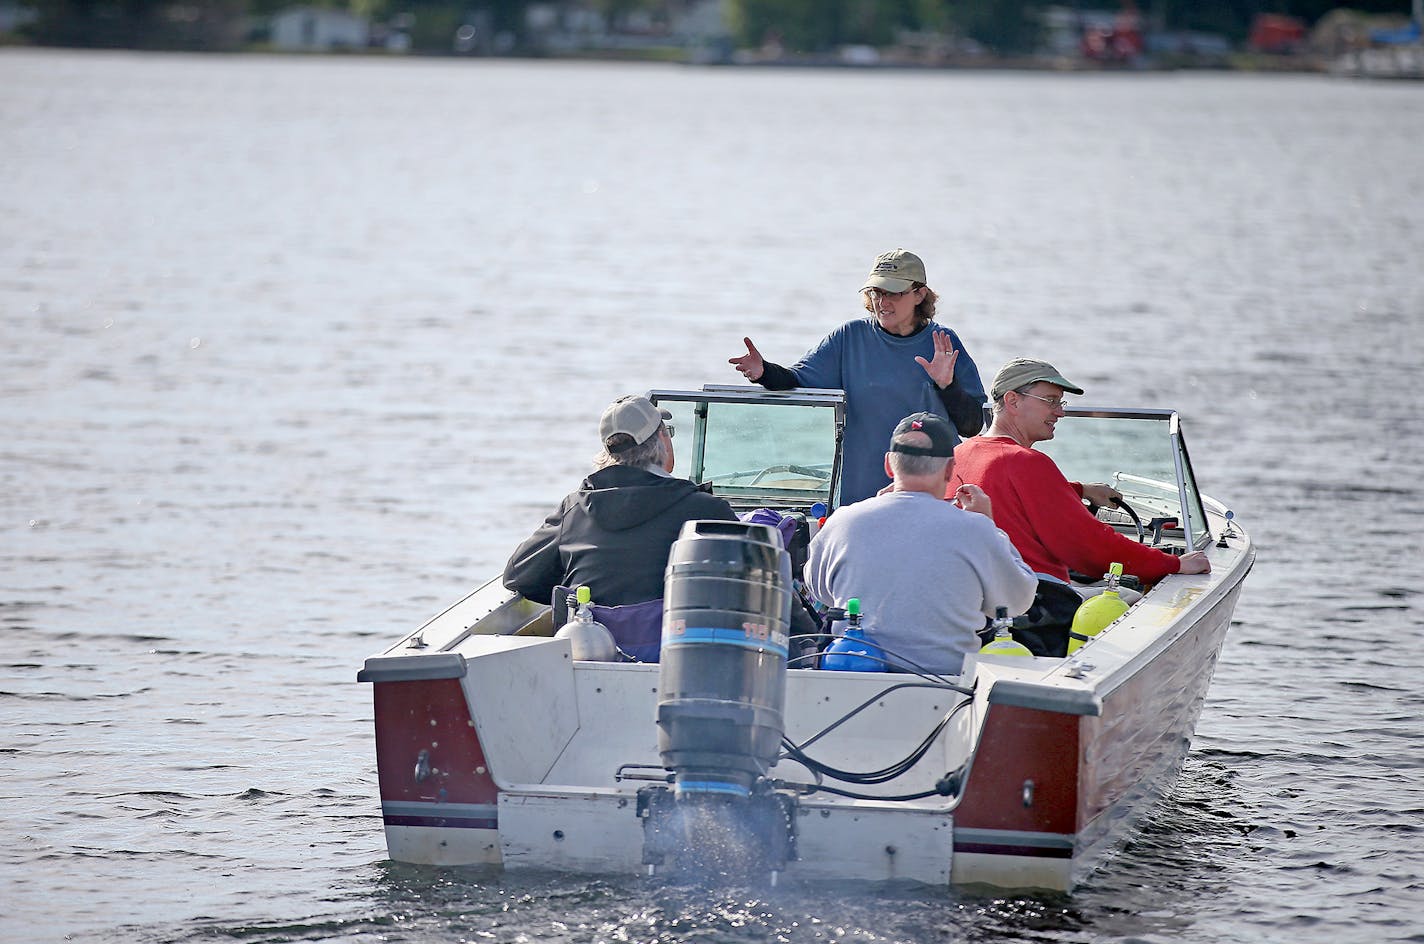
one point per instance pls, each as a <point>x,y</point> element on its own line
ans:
<point>853,652</point>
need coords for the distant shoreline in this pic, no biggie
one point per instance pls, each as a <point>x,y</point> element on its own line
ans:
<point>1235,62</point>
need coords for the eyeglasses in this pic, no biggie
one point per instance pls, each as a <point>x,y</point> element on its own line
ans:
<point>667,425</point>
<point>881,293</point>
<point>1054,403</point>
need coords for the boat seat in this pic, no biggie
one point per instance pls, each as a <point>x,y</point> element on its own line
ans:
<point>1088,591</point>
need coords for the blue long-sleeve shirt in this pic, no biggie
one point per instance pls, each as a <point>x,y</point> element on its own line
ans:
<point>883,384</point>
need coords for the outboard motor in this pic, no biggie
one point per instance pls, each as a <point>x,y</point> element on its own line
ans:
<point>726,621</point>
<point>722,686</point>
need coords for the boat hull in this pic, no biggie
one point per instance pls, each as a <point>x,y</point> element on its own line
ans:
<point>499,748</point>
<point>1060,790</point>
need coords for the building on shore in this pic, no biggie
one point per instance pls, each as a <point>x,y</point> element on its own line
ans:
<point>318,29</point>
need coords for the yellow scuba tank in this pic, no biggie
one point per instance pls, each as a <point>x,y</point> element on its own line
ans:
<point>1003,643</point>
<point>1097,612</point>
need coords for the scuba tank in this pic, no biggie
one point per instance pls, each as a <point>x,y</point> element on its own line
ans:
<point>589,639</point>
<point>853,652</point>
<point>1097,612</point>
<point>1003,643</point>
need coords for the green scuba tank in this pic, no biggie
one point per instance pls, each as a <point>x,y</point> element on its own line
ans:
<point>1097,612</point>
<point>1003,643</point>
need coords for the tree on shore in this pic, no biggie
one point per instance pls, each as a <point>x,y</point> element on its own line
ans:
<point>138,24</point>
<point>818,26</point>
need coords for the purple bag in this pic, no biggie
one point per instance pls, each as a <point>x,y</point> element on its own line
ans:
<point>785,525</point>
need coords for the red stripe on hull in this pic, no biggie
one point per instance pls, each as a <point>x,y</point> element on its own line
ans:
<point>441,822</point>
<point>1032,852</point>
<point>429,715</point>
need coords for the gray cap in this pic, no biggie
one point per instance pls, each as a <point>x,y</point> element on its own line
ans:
<point>1022,371</point>
<point>631,416</point>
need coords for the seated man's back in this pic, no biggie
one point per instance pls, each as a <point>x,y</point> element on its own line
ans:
<point>613,535</point>
<point>926,571</point>
<point>614,532</point>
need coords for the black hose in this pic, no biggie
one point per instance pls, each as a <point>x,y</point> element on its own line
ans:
<point>890,772</point>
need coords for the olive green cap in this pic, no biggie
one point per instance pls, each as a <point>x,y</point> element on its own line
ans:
<point>1022,371</point>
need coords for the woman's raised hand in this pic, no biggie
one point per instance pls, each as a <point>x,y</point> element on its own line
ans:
<point>751,364</point>
<point>941,369</point>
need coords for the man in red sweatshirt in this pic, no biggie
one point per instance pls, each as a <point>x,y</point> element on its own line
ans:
<point>1040,510</point>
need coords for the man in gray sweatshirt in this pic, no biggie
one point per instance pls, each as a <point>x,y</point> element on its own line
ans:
<point>927,571</point>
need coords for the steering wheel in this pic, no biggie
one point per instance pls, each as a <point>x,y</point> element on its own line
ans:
<point>1128,510</point>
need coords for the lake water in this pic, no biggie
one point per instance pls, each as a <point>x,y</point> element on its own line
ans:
<point>294,350</point>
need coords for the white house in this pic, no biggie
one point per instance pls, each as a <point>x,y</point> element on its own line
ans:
<point>314,29</point>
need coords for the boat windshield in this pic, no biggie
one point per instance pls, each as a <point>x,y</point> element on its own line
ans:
<point>1141,453</point>
<point>758,448</point>
<point>781,449</point>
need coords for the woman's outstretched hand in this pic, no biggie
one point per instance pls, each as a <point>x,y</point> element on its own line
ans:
<point>751,364</point>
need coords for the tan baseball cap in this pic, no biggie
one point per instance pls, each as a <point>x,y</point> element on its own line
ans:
<point>1022,371</point>
<point>632,416</point>
<point>895,271</point>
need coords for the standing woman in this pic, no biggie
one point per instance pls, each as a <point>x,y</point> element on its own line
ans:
<point>892,364</point>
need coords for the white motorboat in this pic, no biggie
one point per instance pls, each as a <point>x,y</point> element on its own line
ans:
<point>494,745</point>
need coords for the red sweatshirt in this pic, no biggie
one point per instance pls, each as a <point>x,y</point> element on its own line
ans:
<point>1044,516</point>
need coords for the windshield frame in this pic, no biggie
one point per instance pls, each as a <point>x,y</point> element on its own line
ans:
<point>816,398</point>
<point>1196,531</point>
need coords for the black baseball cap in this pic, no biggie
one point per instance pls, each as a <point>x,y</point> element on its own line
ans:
<point>942,436</point>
